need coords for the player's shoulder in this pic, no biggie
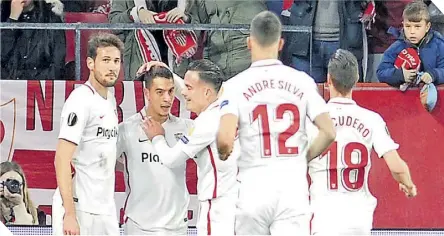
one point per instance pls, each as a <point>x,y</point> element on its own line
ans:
<point>130,122</point>
<point>369,115</point>
<point>180,121</point>
<point>84,92</point>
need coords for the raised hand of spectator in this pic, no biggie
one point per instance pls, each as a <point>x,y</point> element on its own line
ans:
<point>426,78</point>
<point>409,75</point>
<point>175,14</point>
<point>16,9</point>
<point>146,17</point>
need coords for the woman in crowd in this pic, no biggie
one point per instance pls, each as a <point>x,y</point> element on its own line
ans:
<point>16,206</point>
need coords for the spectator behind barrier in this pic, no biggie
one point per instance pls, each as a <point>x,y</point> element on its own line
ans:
<point>228,49</point>
<point>388,14</point>
<point>129,11</point>
<point>15,202</point>
<point>32,54</point>
<point>416,40</point>
<point>336,24</point>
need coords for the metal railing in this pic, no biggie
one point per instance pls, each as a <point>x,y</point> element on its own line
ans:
<point>77,27</point>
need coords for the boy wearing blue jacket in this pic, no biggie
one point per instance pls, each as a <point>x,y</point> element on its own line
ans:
<point>417,37</point>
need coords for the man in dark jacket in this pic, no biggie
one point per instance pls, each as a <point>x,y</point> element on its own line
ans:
<point>32,54</point>
<point>336,24</point>
<point>429,45</point>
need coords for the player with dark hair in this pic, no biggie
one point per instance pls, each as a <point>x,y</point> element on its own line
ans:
<point>216,186</point>
<point>84,204</point>
<point>339,193</point>
<point>156,196</point>
<point>270,104</point>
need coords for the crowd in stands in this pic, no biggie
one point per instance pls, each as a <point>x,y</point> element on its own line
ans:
<point>378,32</point>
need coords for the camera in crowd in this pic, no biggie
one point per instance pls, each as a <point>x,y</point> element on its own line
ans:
<point>12,185</point>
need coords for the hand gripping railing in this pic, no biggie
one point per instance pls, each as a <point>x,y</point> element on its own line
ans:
<point>77,27</point>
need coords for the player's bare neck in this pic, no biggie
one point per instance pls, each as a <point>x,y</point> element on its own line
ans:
<point>263,56</point>
<point>156,116</point>
<point>100,89</point>
<point>210,101</point>
<point>336,94</point>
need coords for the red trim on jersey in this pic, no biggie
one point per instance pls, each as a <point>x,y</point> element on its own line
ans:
<point>213,164</point>
<point>311,224</point>
<point>92,90</point>
<point>128,182</point>
<point>209,218</point>
<point>140,112</point>
<point>343,103</point>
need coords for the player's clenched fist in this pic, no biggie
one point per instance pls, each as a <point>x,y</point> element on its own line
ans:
<point>409,191</point>
<point>70,225</point>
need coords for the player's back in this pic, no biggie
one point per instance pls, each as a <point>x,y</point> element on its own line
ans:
<point>273,102</point>
<point>216,178</point>
<point>342,171</point>
<point>157,197</point>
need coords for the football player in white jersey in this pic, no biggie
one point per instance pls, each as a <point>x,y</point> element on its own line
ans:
<point>216,186</point>
<point>340,197</point>
<point>270,104</point>
<point>84,204</point>
<point>157,197</point>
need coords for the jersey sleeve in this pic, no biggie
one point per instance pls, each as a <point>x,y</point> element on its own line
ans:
<point>229,103</point>
<point>316,105</point>
<point>199,136</point>
<point>382,141</point>
<point>75,114</point>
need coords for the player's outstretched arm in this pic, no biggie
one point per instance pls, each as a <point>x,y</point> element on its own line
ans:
<point>171,157</point>
<point>325,137</point>
<point>226,135</point>
<point>64,152</point>
<point>400,172</point>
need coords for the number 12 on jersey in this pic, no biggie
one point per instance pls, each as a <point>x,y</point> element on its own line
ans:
<point>260,113</point>
<point>353,175</point>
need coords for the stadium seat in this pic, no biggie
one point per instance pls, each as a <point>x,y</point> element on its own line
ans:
<point>75,17</point>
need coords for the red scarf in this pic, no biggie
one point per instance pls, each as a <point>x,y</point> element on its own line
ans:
<point>182,43</point>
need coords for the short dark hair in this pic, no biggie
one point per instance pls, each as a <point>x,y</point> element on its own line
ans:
<point>266,28</point>
<point>103,39</point>
<point>343,69</point>
<point>153,73</point>
<point>416,11</point>
<point>209,72</point>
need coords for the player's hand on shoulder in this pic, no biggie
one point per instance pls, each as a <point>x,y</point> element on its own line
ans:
<point>410,191</point>
<point>152,128</point>
<point>70,225</point>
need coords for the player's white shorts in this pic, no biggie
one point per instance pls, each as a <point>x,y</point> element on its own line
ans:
<point>132,228</point>
<point>265,208</point>
<point>344,216</point>
<point>216,216</point>
<point>89,224</point>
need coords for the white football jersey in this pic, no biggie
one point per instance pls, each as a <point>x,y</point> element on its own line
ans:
<point>272,102</point>
<point>90,121</point>
<point>215,177</point>
<point>344,167</point>
<point>157,196</point>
